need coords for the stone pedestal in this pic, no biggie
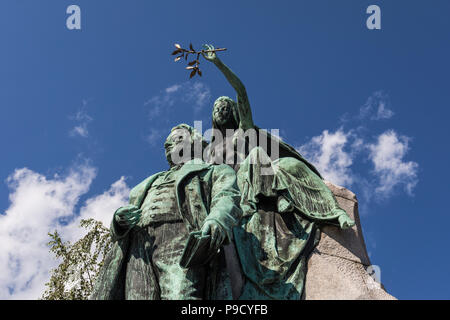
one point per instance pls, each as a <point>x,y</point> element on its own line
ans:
<point>338,268</point>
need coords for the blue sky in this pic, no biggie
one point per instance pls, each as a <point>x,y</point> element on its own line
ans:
<point>84,113</point>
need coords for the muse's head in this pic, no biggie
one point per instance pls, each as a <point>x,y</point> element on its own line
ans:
<point>223,111</point>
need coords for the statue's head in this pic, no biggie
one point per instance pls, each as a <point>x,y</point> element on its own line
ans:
<point>184,143</point>
<point>225,113</point>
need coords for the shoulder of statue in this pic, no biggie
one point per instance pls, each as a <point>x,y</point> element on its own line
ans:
<point>195,161</point>
<point>191,167</point>
<point>221,171</point>
<point>195,164</point>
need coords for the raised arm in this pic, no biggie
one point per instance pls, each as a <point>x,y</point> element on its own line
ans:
<point>245,112</point>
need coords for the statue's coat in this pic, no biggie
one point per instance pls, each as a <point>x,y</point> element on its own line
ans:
<point>204,192</point>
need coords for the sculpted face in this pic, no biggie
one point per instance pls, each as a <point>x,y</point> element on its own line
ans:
<point>222,112</point>
<point>178,136</point>
<point>178,141</point>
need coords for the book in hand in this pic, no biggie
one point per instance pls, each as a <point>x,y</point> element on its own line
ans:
<point>197,251</point>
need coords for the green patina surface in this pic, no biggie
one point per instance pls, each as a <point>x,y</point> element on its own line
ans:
<point>282,210</point>
<point>274,220</point>
<point>279,230</point>
<point>144,261</point>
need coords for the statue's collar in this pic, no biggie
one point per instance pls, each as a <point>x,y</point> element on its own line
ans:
<point>190,162</point>
<point>195,161</point>
<point>193,165</point>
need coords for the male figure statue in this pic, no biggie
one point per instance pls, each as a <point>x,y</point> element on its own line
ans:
<point>150,234</point>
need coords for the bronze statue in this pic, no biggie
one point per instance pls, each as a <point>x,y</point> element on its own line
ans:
<point>282,210</point>
<point>191,202</point>
<point>269,208</point>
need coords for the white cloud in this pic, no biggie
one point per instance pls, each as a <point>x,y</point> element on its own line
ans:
<point>81,131</point>
<point>100,208</point>
<point>335,154</point>
<point>197,94</point>
<point>383,112</point>
<point>155,136</point>
<point>82,119</point>
<point>157,104</point>
<point>327,152</point>
<point>39,205</point>
<point>391,170</point>
<point>376,107</point>
<point>342,156</point>
<point>173,88</point>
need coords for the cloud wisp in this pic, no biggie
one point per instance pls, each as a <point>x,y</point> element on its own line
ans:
<point>197,94</point>
<point>81,119</point>
<point>387,155</point>
<point>377,107</point>
<point>328,153</point>
<point>161,106</point>
<point>337,154</point>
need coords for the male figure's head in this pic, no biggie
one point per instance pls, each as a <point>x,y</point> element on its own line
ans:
<point>184,143</point>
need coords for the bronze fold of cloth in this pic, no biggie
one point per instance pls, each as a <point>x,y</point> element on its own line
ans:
<point>283,204</point>
<point>144,262</point>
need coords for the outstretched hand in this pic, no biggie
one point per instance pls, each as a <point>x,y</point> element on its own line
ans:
<point>127,217</point>
<point>216,232</point>
<point>211,55</point>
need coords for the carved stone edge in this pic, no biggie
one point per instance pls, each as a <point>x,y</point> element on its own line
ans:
<point>337,268</point>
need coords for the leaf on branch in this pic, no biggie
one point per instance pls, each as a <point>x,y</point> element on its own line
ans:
<point>191,47</point>
<point>177,46</point>
<point>192,62</point>
<point>189,68</point>
<point>176,52</point>
<point>192,73</point>
<point>177,58</point>
<point>199,72</point>
<point>81,262</point>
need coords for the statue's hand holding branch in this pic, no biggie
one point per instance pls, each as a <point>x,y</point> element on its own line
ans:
<point>209,53</point>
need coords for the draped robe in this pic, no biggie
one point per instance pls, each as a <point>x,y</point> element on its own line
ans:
<point>281,215</point>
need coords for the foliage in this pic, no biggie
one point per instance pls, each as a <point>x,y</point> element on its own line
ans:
<point>194,64</point>
<point>74,278</point>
